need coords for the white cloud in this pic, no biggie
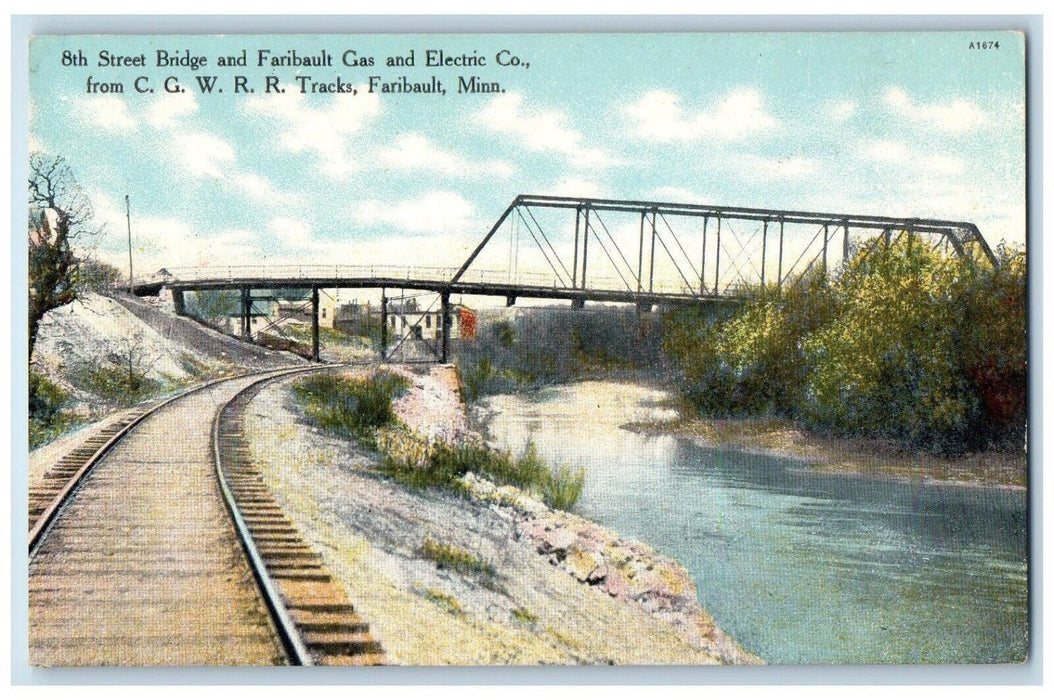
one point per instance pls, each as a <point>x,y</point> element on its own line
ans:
<point>415,152</point>
<point>956,116</point>
<point>886,151</point>
<point>167,111</point>
<point>659,116</point>
<point>159,241</point>
<point>540,130</point>
<point>109,112</point>
<point>202,154</point>
<point>841,110</point>
<point>259,188</point>
<point>324,132</point>
<point>435,212</point>
<point>294,233</point>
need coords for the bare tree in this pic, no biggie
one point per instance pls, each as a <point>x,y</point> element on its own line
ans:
<point>135,359</point>
<point>59,216</point>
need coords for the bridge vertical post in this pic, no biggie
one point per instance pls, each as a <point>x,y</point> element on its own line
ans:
<point>246,311</point>
<point>824,250</point>
<point>585,248</point>
<point>384,322</point>
<point>640,256</point>
<point>764,249</point>
<point>574,264</point>
<point>717,258</point>
<point>651,264</point>
<point>779,264</point>
<point>845,243</point>
<point>314,324</point>
<point>178,303</point>
<point>702,260</point>
<point>445,305</point>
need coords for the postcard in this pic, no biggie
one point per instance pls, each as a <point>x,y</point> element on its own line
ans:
<point>528,349</point>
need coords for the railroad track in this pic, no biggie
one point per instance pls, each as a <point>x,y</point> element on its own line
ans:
<point>111,545</point>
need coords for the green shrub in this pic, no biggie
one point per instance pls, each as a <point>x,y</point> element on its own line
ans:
<point>46,399</point>
<point>47,419</point>
<point>350,407</point>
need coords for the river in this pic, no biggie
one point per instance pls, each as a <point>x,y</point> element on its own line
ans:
<point>798,567</point>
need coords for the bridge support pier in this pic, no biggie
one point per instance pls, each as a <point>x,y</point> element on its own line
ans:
<point>384,323</point>
<point>510,300</point>
<point>445,303</point>
<point>246,312</point>
<point>314,324</point>
<point>179,304</point>
<point>578,303</point>
<point>644,307</point>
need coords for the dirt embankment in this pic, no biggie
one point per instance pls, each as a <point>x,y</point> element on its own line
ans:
<point>125,334</point>
<point>540,596</point>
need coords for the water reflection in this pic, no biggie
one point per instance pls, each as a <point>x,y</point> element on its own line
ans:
<point>800,567</point>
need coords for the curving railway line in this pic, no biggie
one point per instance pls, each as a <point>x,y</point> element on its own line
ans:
<point>156,542</point>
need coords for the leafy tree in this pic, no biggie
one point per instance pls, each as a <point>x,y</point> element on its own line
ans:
<point>905,343</point>
<point>60,217</point>
<point>216,304</point>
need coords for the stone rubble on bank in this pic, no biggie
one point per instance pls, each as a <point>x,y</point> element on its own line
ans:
<point>627,570</point>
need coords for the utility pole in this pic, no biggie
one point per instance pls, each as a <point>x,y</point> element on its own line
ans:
<point>128,214</point>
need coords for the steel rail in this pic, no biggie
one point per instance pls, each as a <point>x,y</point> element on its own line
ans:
<point>288,634</point>
<point>47,518</point>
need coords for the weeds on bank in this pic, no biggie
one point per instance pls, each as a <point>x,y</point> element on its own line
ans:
<point>444,599</point>
<point>525,616</point>
<point>448,556</point>
<point>411,460</point>
<point>352,408</point>
<point>362,409</point>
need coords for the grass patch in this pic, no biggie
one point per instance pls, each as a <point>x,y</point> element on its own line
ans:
<point>561,486</point>
<point>353,408</point>
<point>525,616</point>
<point>444,599</point>
<point>114,384</point>
<point>448,556</point>
<point>412,461</point>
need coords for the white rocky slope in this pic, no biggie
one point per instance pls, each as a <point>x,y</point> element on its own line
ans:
<point>103,331</point>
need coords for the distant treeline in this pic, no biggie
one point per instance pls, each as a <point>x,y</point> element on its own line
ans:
<point>905,343</point>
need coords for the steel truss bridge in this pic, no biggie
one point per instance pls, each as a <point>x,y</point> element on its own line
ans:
<point>602,250</point>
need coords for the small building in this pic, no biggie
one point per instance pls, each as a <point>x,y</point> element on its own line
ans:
<point>407,319</point>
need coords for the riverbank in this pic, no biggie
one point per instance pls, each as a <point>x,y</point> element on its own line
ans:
<point>668,415</point>
<point>549,587</point>
<point>850,456</point>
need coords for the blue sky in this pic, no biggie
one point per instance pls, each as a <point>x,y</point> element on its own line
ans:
<point>891,124</point>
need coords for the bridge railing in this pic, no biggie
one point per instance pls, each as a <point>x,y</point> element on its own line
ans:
<point>295,275</point>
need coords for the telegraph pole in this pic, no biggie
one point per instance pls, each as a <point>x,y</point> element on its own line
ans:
<point>128,214</point>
